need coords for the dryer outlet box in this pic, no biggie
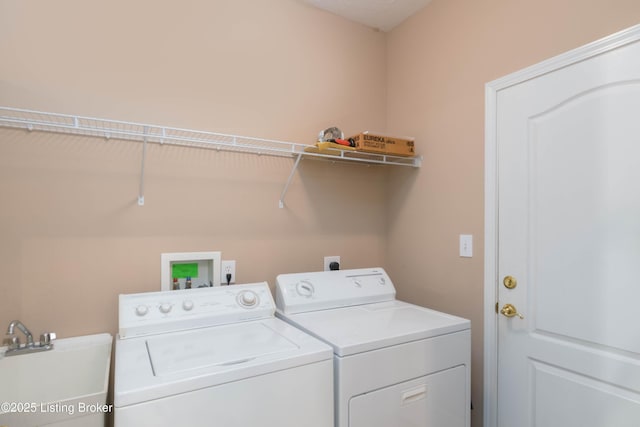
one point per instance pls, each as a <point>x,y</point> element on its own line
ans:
<point>329,259</point>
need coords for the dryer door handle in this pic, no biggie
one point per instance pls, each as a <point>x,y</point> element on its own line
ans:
<point>414,394</point>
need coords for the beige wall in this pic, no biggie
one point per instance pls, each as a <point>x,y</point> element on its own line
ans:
<point>439,62</point>
<point>72,236</point>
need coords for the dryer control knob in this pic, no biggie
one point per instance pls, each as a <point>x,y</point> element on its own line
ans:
<point>382,281</point>
<point>248,298</point>
<point>165,308</point>
<point>305,288</point>
<point>142,310</point>
<point>187,305</point>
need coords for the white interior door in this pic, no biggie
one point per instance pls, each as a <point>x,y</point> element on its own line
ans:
<point>568,232</point>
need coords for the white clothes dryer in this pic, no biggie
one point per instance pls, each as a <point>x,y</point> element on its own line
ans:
<point>217,357</point>
<point>395,363</point>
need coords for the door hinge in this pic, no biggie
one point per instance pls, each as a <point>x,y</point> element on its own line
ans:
<point>497,305</point>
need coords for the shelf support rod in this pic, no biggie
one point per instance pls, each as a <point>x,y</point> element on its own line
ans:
<point>286,185</point>
<point>144,156</point>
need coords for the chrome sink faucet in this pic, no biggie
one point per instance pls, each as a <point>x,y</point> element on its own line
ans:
<point>18,324</point>
<point>14,347</point>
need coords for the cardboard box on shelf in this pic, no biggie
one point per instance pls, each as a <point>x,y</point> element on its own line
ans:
<point>383,144</point>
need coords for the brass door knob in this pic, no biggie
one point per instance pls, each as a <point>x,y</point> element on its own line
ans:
<point>510,311</point>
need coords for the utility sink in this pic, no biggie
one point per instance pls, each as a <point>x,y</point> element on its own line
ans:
<point>65,386</point>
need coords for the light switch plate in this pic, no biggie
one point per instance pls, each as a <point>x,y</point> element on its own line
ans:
<point>466,245</point>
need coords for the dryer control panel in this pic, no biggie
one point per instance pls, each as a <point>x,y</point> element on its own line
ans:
<point>322,290</point>
<point>167,311</point>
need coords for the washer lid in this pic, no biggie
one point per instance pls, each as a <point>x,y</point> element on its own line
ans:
<point>214,347</point>
<point>154,367</point>
<point>357,329</point>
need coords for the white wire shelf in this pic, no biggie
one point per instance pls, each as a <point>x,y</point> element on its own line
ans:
<point>145,133</point>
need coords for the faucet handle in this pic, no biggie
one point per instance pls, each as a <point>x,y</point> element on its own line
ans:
<point>46,338</point>
<point>13,342</point>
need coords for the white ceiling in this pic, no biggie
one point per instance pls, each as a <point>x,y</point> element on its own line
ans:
<point>379,14</point>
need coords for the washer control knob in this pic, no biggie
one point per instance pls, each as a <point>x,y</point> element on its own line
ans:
<point>247,298</point>
<point>187,305</point>
<point>165,307</point>
<point>382,281</point>
<point>357,282</point>
<point>305,288</point>
<point>142,310</point>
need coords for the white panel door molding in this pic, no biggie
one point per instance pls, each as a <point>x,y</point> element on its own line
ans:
<point>562,217</point>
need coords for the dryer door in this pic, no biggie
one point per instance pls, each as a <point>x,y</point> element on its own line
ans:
<point>433,400</point>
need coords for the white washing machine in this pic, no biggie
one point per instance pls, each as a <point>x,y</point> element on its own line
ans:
<point>395,364</point>
<point>217,357</point>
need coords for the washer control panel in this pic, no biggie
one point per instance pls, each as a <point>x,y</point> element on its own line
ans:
<point>167,311</point>
<point>302,292</point>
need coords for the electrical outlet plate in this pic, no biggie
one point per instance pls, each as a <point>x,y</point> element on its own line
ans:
<point>329,259</point>
<point>227,266</point>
